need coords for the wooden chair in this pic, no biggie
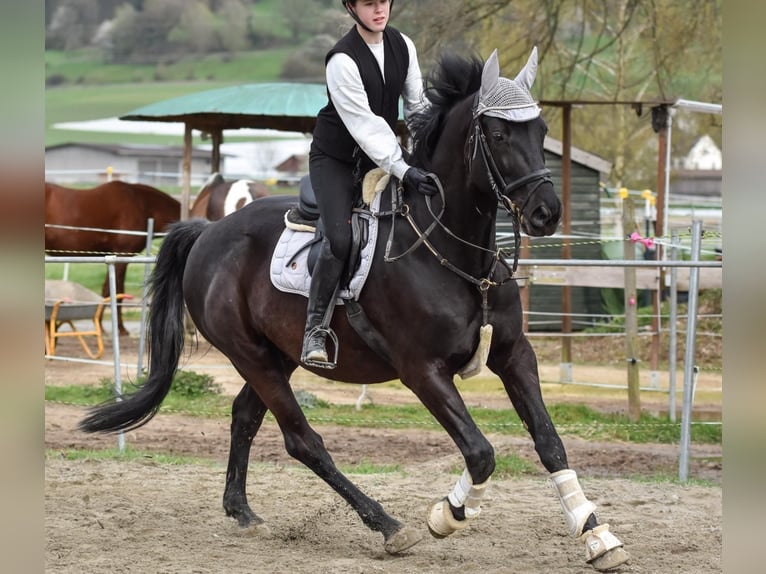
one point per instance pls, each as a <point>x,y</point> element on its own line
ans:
<point>67,302</point>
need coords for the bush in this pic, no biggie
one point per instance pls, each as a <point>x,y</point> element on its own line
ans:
<point>190,384</point>
<point>55,80</point>
<point>186,384</point>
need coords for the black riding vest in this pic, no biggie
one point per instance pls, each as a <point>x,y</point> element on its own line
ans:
<point>330,134</point>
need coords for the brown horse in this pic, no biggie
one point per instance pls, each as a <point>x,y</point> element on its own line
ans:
<point>218,197</point>
<point>112,205</point>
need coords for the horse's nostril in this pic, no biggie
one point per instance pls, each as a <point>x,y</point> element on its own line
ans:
<point>541,215</point>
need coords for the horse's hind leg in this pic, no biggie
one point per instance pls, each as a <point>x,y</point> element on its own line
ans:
<point>263,369</point>
<point>518,371</point>
<point>247,414</point>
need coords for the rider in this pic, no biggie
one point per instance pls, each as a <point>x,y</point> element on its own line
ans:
<point>366,72</point>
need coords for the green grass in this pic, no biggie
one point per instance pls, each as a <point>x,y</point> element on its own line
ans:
<point>367,467</point>
<point>507,466</point>
<point>128,454</point>
<point>94,90</point>
<point>191,392</point>
<point>82,67</point>
<point>570,419</point>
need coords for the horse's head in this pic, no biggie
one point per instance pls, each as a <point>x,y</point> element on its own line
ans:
<point>506,147</point>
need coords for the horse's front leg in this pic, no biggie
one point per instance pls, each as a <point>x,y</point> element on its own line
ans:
<point>518,370</point>
<point>456,510</point>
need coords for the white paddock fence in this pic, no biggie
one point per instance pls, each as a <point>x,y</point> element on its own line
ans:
<point>694,265</point>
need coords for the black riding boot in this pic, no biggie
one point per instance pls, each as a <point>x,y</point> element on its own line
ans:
<point>324,281</point>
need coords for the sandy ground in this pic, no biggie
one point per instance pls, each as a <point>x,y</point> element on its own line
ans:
<point>142,516</point>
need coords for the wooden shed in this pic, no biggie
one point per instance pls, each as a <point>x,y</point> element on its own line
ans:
<point>544,301</point>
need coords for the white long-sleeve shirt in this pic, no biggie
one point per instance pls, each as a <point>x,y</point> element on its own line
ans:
<point>371,132</point>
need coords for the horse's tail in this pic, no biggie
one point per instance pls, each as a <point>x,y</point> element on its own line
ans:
<point>166,336</point>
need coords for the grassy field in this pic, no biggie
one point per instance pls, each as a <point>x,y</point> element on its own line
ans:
<point>573,419</point>
<point>82,87</point>
<point>94,90</point>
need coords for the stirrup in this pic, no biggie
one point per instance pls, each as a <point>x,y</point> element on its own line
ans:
<point>328,364</point>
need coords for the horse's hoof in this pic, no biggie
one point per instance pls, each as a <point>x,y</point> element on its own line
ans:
<point>402,539</point>
<point>441,522</point>
<point>259,530</point>
<point>246,519</point>
<point>603,550</point>
<point>610,559</point>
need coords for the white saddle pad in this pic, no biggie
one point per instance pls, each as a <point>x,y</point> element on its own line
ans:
<point>290,273</point>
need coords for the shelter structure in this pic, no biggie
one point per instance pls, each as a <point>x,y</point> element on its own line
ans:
<point>285,106</point>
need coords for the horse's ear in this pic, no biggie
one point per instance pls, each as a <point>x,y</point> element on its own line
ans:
<point>527,75</point>
<point>490,74</point>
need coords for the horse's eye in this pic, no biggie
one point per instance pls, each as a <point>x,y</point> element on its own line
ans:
<point>497,136</point>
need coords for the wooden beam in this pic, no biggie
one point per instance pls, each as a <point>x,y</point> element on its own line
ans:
<point>631,314</point>
<point>566,249</point>
<point>186,168</point>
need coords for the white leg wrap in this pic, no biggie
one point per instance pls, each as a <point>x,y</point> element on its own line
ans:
<point>467,494</point>
<point>441,522</point>
<point>576,507</point>
<point>599,541</point>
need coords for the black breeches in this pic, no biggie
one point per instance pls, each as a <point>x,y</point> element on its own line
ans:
<point>335,194</point>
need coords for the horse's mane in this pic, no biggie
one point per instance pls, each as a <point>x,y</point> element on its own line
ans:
<point>449,82</point>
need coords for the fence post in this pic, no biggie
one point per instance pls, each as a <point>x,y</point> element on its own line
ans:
<point>110,261</point>
<point>144,294</point>
<point>689,367</point>
<point>631,314</point>
<point>673,328</point>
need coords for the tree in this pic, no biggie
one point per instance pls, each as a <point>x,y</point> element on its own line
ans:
<point>307,63</point>
<point>73,25</point>
<point>195,30</point>
<point>592,49</point>
<point>234,26</point>
<point>300,16</point>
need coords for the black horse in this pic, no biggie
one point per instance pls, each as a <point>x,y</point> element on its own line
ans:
<point>428,307</point>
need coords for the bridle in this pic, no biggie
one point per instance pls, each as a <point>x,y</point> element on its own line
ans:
<point>532,181</point>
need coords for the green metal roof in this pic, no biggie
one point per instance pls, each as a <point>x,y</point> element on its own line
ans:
<point>280,106</point>
<point>287,106</point>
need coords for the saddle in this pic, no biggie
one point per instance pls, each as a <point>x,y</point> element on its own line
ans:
<point>303,219</point>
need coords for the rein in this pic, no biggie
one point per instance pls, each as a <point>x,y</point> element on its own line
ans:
<point>398,207</point>
<point>532,181</point>
<point>482,283</point>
